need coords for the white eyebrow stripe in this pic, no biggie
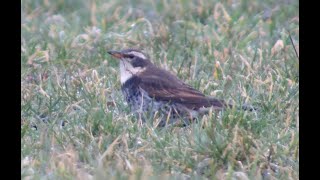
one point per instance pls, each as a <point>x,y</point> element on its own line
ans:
<point>138,54</point>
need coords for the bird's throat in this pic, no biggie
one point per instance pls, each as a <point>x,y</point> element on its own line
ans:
<point>125,74</point>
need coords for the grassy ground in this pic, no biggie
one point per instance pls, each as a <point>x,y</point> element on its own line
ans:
<point>75,124</point>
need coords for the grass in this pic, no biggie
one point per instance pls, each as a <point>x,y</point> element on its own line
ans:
<point>76,125</point>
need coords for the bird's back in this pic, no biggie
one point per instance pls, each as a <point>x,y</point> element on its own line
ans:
<point>164,86</point>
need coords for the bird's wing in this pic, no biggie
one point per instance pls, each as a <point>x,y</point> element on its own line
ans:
<point>171,89</point>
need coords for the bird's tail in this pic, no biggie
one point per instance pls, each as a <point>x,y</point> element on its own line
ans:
<point>222,105</point>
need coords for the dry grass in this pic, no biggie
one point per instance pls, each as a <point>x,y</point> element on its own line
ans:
<point>75,124</point>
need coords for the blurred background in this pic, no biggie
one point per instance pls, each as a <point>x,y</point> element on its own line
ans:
<point>75,123</point>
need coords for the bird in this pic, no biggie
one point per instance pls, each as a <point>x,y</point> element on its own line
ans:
<point>152,92</point>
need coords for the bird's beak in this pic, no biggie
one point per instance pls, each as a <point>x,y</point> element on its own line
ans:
<point>116,54</point>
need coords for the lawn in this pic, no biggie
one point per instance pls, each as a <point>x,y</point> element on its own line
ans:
<point>75,123</point>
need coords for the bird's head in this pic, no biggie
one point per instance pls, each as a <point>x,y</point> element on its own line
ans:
<point>132,62</point>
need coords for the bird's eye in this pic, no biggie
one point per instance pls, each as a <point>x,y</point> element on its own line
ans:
<point>130,56</point>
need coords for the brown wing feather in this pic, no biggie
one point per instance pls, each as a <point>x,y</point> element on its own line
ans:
<point>164,86</point>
